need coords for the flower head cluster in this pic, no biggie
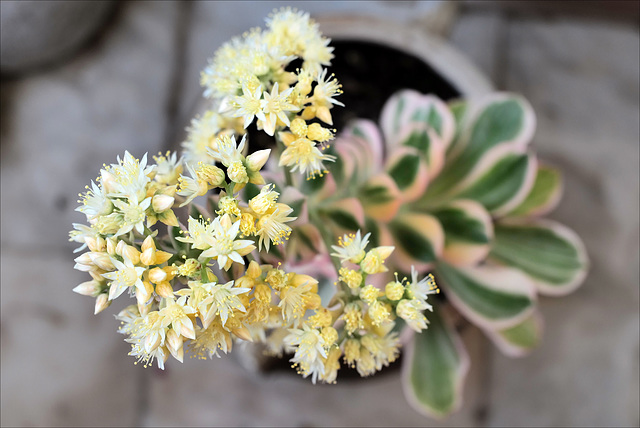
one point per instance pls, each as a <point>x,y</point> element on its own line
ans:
<point>361,329</point>
<point>249,81</point>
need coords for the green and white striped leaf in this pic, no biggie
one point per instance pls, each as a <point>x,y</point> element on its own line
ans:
<point>434,368</point>
<point>426,141</point>
<point>468,231</point>
<point>409,171</point>
<point>380,198</point>
<point>397,112</point>
<point>411,107</point>
<point>521,339</point>
<point>502,186</point>
<point>493,297</point>
<point>459,110</point>
<point>346,214</point>
<point>551,254</point>
<point>498,121</point>
<point>544,196</point>
<point>419,240</point>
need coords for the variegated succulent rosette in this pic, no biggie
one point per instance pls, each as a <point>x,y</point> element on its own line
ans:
<point>456,189</point>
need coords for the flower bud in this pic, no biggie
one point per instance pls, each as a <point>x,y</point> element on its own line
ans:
<point>243,333</point>
<point>102,260</point>
<point>144,294</point>
<point>211,174</point>
<point>162,203</point>
<point>102,303</point>
<point>299,127</point>
<point>317,133</point>
<point>89,288</point>
<point>164,289</point>
<point>255,161</point>
<point>157,275</point>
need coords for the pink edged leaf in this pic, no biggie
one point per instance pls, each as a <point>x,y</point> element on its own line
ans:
<point>543,197</point>
<point>550,254</point>
<point>397,112</point>
<point>409,171</point>
<point>419,240</point>
<point>468,231</point>
<point>367,131</point>
<point>434,368</point>
<point>347,215</point>
<point>426,141</point>
<point>380,198</point>
<point>304,243</point>
<point>521,339</point>
<point>492,297</point>
<point>503,185</point>
<point>497,120</point>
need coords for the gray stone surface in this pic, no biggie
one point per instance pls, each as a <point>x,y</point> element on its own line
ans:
<point>34,33</point>
<point>61,365</point>
<point>582,80</point>
<point>222,393</point>
<point>63,125</point>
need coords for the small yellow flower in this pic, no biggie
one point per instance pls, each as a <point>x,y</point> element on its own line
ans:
<point>369,294</point>
<point>394,290</point>
<point>373,262</point>
<point>350,277</point>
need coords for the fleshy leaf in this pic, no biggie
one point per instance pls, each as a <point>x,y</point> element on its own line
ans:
<point>500,120</point>
<point>552,255</point>
<point>543,196</point>
<point>459,109</point>
<point>409,171</point>
<point>490,296</point>
<point>504,185</point>
<point>426,141</point>
<point>397,112</point>
<point>434,368</point>
<point>468,231</point>
<point>419,240</point>
<point>368,132</point>
<point>519,340</point>
<point>347,214</point>
<point>380,198</point>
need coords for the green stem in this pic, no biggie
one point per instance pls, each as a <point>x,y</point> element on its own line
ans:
<point>204,276</point>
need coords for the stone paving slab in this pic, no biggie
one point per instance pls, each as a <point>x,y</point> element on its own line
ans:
<point>61,365</point>
<point>221,392</point>
<point>61,126</point>
<point>586,99</point>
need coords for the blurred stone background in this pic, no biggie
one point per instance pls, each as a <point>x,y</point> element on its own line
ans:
<point>83,81</point>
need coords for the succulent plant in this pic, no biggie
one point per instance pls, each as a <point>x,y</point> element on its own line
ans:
<point>457,190</point>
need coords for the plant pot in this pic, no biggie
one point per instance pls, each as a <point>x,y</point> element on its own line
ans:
<point>363,49</point>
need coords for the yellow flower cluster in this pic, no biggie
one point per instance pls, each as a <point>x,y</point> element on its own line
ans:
<point>248,81</point>
<point>125,201</point>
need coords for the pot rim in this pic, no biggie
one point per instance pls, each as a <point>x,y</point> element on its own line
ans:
<point>435,51</point>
